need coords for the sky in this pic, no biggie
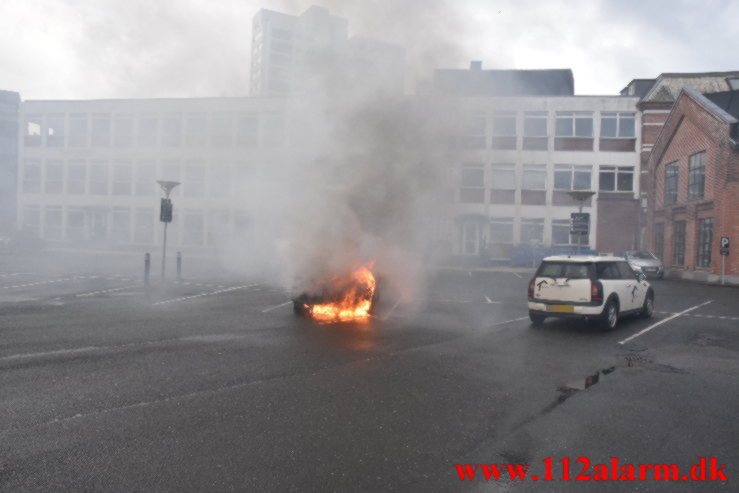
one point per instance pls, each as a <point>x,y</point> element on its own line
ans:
<point>89,49</point>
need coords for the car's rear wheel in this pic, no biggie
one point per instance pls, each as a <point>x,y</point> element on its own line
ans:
<point>648,308</point>
<point>536,318</point>
<point>609,317</point>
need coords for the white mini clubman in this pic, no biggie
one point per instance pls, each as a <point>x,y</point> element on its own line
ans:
<point>588,287</point>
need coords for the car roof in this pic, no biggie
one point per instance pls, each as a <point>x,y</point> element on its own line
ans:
<point>583,258</point>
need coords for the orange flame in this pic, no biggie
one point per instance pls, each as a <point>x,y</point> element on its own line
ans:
<point>355,302</point>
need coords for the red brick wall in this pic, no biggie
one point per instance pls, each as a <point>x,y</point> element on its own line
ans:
<point>691,129</point>
<point>618,222</point>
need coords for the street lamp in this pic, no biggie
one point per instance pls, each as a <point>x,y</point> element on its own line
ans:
<point>582,225</point>
<point>165,216</point>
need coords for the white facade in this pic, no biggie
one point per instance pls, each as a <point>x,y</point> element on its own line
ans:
<point>88,169</point>
<point>509,194</point>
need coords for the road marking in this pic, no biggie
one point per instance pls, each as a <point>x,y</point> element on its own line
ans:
<point>488,299</point>
<point>105,291</point>
<point>48,281</point>
<point>663,321</point>
<point>517,275</point>
<point>387,315</point>
<point>276,306</point>
<point>209,293</point>
<point>509,321</point>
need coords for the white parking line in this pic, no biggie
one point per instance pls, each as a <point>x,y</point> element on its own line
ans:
<point>209,293</point>
<point>663,321</point>
<point>105,291</point>
<point>276,306</point>
<point>517,275</point>
<point>48,281</point>
<point>488,299</point>
<point>509,321</point>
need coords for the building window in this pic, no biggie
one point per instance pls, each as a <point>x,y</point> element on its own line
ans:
<point>248,130</point>
<point>705,240</point>
<point>219,180</point>
<point>32,131</point>
<point>55,130</point>
<point>534,177</point>
<point>194,182</point>
<point>148,131</point>
<point>196,129</point>
<point>574,124</point>
<point>618,125</point>
<point>672,171</point>
<point>193,228</point>
<point>143,232</point>
<point>75,224</point>
<point>616,179</point>
<point>273,131</point>
<point>54,177</point>
<point>123,131</point>
<point>77,130</point>
<point>501,230</point>
<point>53,223</point>
<point>504,124</point>
<point>678,249</point>
<point>570,177</point>
<point>76,177</point>
<point>474,131</point>
<point>98,178</point>
<point>472,185</point>
<point>535,124</point>
<point>221,130</point>
<point>120,227</point>
<point>32,220</point>
<point>100,131</point>
<point>696,175</point>
<point>561,232</point>
<point>172,130</point>
<point>146,178</point>
<point>32,176</point>
<point>659,240</point>
<point>503,177</point>
<point>122,178</point>
<point>532,230</point>
<point>470,238</point>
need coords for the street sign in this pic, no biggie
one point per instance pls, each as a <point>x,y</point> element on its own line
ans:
<point>724,245</point>
<point>165,213</point>
<point>579,223</point>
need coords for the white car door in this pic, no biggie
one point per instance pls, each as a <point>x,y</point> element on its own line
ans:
<point>613,282</point>
<point>635,289</point>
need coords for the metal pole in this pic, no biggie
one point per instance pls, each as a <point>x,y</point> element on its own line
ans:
<point>579,235</point>
<point>147,267</point>
<point>179,266</point>
<point>723,269</point>
<point>164,252</point>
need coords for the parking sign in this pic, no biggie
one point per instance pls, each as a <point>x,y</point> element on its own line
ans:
<point>724,244</point>
<point>579,223</point>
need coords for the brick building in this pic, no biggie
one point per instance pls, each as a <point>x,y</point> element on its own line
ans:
<point>694,186</point>
<point>656,98</point>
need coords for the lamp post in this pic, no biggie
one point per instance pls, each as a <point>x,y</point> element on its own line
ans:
<point>165,216</point>
<point>580,196</point>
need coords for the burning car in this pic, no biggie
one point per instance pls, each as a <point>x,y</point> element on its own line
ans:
<point>345,298</point>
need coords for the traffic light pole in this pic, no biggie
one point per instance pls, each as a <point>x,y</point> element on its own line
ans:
<point>164,252</point>
<point>165,216</point>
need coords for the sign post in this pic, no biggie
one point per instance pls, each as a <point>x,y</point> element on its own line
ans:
<point>583,224</point>
<point>724,251</point>
<point>165,216</point>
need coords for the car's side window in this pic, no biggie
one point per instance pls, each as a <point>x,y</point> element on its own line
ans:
<point>626,271</point>
<point>607,270</point>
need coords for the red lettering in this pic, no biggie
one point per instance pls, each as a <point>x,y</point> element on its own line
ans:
<point>643,471</point>
<point>627,473</point>
<point>585,466</point>
<point>490,471</point>
<point>601,472</point>
<point>698,471</point>
<point>465,471</point>
<point>716,472</point>
<point>517,471</point>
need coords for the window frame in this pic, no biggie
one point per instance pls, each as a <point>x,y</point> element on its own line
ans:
<point>697,175</point>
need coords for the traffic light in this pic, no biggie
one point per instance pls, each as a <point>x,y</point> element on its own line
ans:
<point>165,213</point>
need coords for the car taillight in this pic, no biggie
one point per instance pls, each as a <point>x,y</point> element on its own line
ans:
<point>531,289</point>
<point>596,291</point>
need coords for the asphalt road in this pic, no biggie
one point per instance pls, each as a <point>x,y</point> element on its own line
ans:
<point>107,384</point>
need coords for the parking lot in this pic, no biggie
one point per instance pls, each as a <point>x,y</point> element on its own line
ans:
<point>211,384</point>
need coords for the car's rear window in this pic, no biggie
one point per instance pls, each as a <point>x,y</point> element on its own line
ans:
<point>569,270</point>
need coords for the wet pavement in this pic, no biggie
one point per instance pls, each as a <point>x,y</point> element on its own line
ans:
<point>110,384</point>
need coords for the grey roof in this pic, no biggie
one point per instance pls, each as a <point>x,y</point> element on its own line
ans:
<point>478,82</point>
<point>668,86</point>
<point>10,97</point>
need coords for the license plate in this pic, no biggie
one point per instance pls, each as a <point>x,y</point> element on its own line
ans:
<point>561,308</point>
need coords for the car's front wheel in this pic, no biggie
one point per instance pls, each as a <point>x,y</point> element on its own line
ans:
<point>536,318</point>
<point>647,308</point>
<point>609,317</point>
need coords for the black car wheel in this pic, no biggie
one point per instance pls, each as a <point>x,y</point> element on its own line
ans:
<point>609,317</point>
<point>536,318</point>
<point>648,308</point>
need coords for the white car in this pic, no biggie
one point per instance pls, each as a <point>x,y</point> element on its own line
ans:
<point>588,287</point>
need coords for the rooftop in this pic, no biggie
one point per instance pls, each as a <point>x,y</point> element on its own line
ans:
<point>478,82</point>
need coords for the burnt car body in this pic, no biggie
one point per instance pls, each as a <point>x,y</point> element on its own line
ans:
<point>321,294</point>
